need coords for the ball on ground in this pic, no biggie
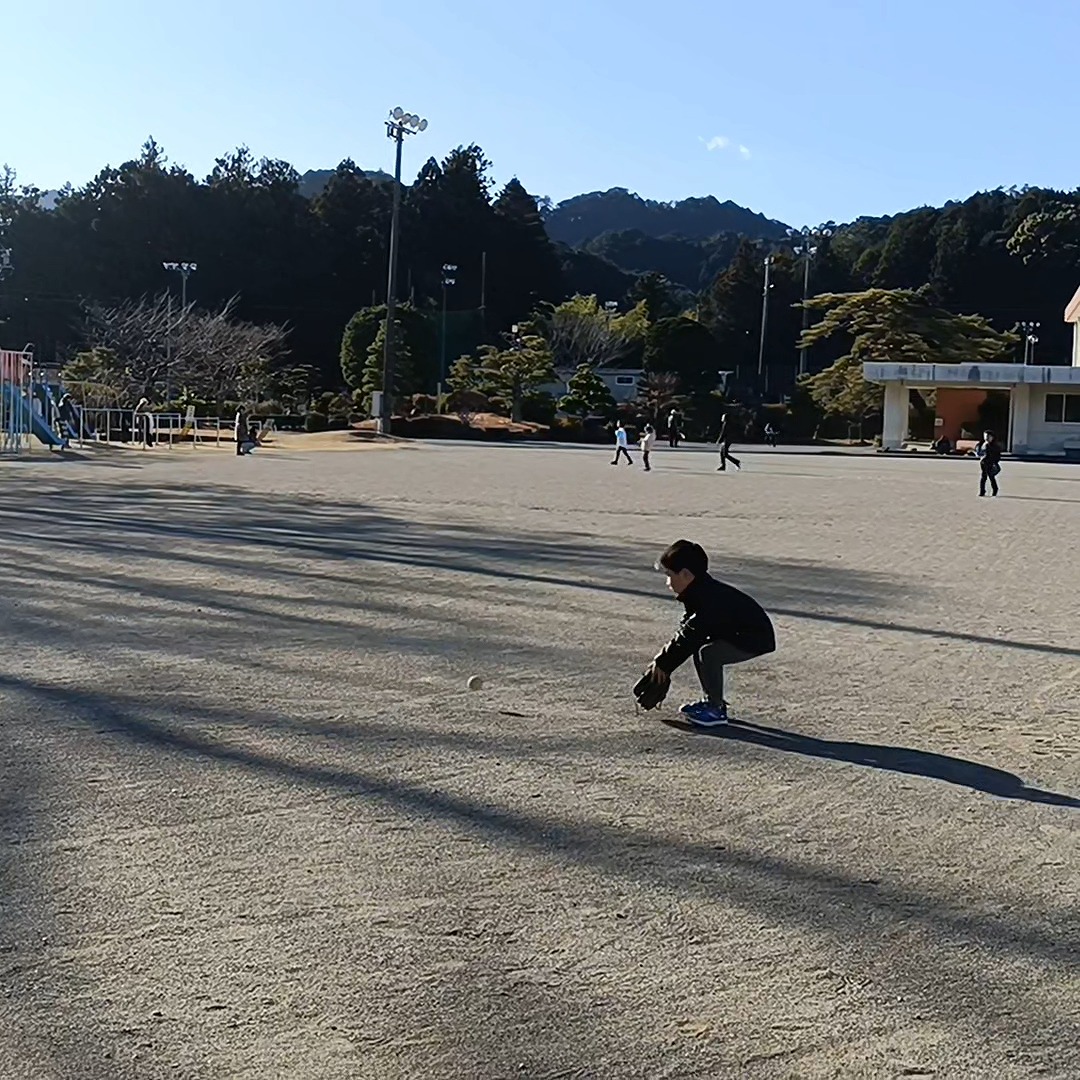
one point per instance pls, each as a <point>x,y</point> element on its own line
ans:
<point>475,682</point>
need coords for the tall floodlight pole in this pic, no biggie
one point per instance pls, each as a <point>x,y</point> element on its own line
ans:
<point>185,270</point>
<point>448,279</point>
<point>764,324</point>
<point>398,125</point>
<point>1031,339</point>
<point>807,247</point>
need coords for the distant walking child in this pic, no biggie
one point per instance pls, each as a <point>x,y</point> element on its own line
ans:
<point>620,445</point>
<point>989,463</point>
<point>645,444</point>
<point>724,440</point>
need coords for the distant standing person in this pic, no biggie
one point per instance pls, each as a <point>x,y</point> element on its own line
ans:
<point>724,441</point>
<point>645,443</point>
<point>620,445</point>
<point>65,411</point>
<point>770,435</point>
<point>142,423</point>
<point>240,429</point>
<point>989,463</point>
<point>673,421</point>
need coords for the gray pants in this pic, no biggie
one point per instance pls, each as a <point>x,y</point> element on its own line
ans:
<point>710,661</point>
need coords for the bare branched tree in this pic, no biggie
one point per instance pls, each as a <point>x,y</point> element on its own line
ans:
<point>582,331</point>
<point>156,345</point>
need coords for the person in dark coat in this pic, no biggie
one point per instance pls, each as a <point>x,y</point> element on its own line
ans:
<point>721,625</point>
<point>989,463</point>
<point>724,440</point>
<point>240,429</point>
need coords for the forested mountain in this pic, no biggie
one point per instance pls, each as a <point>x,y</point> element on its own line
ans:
<point>691,264</point>
<point>314,181</point>
<point>578,220</point>
<point>688,241</point>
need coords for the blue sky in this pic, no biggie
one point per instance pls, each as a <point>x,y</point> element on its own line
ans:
<point>805,111</point>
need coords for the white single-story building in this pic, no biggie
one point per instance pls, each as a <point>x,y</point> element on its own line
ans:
<point>622,382</point>
<point>1043,401</point>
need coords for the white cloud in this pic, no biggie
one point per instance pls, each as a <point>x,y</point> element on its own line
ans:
<point>722,142</point>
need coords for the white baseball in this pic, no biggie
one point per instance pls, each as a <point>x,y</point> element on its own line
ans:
<point>475,682</point>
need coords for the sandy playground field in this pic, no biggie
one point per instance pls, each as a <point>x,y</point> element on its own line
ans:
<point>253,825</point>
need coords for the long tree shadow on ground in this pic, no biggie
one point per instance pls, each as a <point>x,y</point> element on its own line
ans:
<point>828,899</point>
<point>898,759</point>
<point>222,521</point>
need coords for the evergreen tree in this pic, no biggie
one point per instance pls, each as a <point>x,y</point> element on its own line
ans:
<point>416,339</point>
<point>686,349</point>
<point>507,376</point>
<point>404,375</point>
<point>892,325</point>
<point>587,394</point>
<point>731,309</point>
<point>655,292</point>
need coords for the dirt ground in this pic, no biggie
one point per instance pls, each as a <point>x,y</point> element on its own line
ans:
<point>253,825</point>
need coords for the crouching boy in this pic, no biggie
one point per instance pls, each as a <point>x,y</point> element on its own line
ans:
<point>721,626</point>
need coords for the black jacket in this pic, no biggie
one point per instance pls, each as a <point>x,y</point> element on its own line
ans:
<point>717,612</point>
<point>992,453</point>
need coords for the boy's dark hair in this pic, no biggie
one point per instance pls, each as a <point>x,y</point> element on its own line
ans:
<point>685,555</point>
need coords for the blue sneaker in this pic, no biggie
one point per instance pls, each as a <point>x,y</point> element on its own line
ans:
<point>705,714</point>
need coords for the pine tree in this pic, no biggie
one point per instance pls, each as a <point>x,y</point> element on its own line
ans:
<point>404,377</point>
<point>892,325</point>
<point>416,354</point>
<point>587,394</point>
<point>507,376</point>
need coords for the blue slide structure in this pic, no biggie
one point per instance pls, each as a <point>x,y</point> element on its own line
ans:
<point>30,419</point>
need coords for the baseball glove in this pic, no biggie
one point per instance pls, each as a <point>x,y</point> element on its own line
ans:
<point>650,692</point>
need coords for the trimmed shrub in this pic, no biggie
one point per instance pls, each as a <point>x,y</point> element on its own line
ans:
<point>538,409</point>
<point>424,404</point>
<point>467,402</point>
<point>315,421</point>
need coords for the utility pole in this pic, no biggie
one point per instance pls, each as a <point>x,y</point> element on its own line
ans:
<point>483,291</point>
<point>805,310</point>
<point>185,270</point>
<point>5,259</point>
<point>807,249</point>
<point>447,280</point>
<point>762,374</point>
<point>399,124</point>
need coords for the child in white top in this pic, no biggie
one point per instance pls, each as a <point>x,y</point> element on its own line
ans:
<point>645,444</point>
<point>620,445</point>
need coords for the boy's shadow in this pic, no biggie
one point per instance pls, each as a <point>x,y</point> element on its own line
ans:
<point>893,758</point>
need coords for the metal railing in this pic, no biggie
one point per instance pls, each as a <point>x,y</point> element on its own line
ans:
<point>88,425</point>
<point>151,428</point>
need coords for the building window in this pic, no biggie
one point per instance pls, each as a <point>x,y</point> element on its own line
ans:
<point>1062,409</point>
<point>624,380</point>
